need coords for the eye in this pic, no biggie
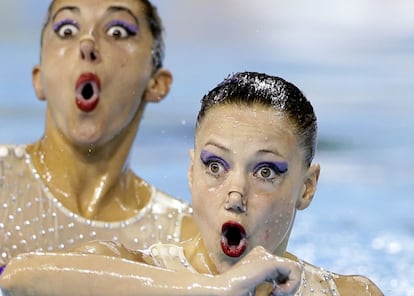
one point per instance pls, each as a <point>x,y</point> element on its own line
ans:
<point>265,173</point>
<point>269,171</point>
<point>118,32</point>
<point>121,30</point>
<point>215,168</point>
<point>66,29</point>
<point>214,165</point>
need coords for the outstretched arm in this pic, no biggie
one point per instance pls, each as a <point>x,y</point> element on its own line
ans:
<point>89,274</point>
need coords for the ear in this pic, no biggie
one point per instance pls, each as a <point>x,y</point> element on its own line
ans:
<point>190,169</point>
<point>158,86</point>
<point>37,83</point>
<point>309,187</point>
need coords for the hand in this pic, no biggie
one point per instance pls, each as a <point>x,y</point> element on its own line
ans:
<point>259,266</point>
<point>288,280</point>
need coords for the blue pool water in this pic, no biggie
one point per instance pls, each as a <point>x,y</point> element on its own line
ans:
<point>354,61</point>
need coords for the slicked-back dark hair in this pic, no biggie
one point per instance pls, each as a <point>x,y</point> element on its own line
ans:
<point>252,88</point>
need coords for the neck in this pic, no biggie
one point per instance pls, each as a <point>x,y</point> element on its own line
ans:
<point>197,254</point>
<point>88,180</point>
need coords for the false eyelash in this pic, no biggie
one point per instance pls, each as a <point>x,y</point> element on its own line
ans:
<point>59,24</point>
<point>131,29</point>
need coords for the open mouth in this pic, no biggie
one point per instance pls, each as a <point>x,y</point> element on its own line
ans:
<point>87,92</point>
<point>233,239</point>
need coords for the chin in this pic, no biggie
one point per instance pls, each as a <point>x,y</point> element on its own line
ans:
<point>88,134</point>
<point>86,140</point>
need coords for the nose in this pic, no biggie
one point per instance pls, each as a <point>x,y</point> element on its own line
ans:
<point>236,202</point>
<point>88,50</point>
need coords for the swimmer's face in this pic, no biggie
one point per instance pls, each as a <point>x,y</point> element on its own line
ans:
<point>96,68</point>
<point>247,179</point>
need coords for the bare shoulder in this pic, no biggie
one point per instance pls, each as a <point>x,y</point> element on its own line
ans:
<point>348,285</point>
<point>356,285</point>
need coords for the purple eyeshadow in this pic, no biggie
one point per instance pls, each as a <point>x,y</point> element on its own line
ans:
<point>207,156</point>
<point>132,29</point>
<point>279,166</point>
<point>2,268</point>
<point>282,166</point>
<point>59,24</point>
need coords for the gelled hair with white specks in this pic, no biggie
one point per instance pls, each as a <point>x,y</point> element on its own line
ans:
<point>252,88</point>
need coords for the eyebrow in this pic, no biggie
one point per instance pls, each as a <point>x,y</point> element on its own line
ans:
<point>71,8</point>
<point>262,151</point>
<point>122,8</point>
<point>110,10</point>
<point>266,151</point>
<point>215,144</point>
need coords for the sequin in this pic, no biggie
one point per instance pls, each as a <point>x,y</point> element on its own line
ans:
<point>32,219</point>
<point>4,151</point>
<point>169,256</point>
<point>317,281</point>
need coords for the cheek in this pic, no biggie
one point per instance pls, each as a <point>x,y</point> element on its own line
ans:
<point>60,51</point>
<point>273,220</point>
<point>203,201</point>
<point>122,103</point>
<point>206,202</point>
<point>204,214</point>
<point>203,183</point>
<point>271,232</point>
<point>134,59</point>
<point>123,64</point>
<point>199,196</point>
<point>58,96</point>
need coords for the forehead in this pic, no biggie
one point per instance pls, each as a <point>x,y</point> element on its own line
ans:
<point>134,6</point>
<point>249,128</point>
<point>254,116</point>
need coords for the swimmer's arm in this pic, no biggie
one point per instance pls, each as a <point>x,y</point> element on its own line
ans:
<point>109,248</point>
<point>357,285</point>
<point>90,274</point>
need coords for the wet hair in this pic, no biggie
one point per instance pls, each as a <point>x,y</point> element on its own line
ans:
<point>252,88</point>
<point>154,23</point>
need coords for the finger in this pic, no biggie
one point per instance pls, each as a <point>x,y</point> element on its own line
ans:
<point>289,287</point>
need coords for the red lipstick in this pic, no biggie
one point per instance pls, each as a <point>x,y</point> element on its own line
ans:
<point>233,239</point>
<point>88,87</point>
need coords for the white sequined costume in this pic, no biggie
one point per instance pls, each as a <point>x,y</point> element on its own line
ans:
<point>31,219</point>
